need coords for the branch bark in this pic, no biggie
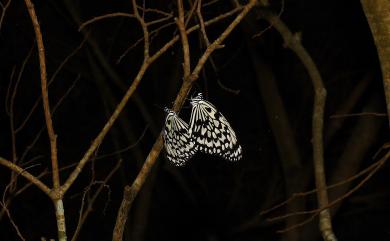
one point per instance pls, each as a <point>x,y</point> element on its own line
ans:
<point>56,196</point>
<point>184,39</point>
<point>26,174</point>
<point>377,13</point>
<point>45,95</point>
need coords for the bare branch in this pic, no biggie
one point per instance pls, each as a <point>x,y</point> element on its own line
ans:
<point>26,174</point>
<point>4,10</point>
<point>184,40</point>
<point>176,38</point>
<point>144,26</point>
<point>105,16</point>
<point>45,95</point>
<point>201,23</point>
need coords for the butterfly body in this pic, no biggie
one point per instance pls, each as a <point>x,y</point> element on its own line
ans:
<point>178,144</point>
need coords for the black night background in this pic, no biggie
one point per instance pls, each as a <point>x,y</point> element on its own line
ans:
<point>257,77</point>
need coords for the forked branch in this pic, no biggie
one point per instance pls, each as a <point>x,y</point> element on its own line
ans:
<point>130,192</point>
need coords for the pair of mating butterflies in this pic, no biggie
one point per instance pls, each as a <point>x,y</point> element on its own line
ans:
<point>208,132</point>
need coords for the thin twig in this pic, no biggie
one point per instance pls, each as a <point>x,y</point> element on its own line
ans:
<point>51,80</point>
<point>358,114</point>
<point>201,23</point>
<point>5,208</point>
<point>257,35</point>
<point>157,21</point>
<point>7,95</point>
<point>13,180</point>
<point>124,149</point>
<point>26,174</point>
<point>217,44</point>
<point>210,3</point>
<point>145,31</point>
<point>176,38</point>
<point>84,214</point>
<point>304,194</point>
<point>154,10</point>
<point>318,211</point>
<point>100,137</point>
<point>105,16</point>
<point>20,191</point>
<point>189,14</point>
<point>4,10</point>
<point>372,171</point>
<point>38,135</point>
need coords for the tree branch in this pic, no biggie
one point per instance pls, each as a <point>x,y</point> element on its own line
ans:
<point>130,192</point>
<point>293,42</point>
<point>45,95</point>
<point>184,39</point>
<point>27,175</point>
<point>4,10</point>
<point>109,15</point>
<point>100,137</point>
<point>377,13</point>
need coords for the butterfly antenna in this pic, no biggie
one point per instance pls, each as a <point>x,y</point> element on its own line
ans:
<point>166,109</point>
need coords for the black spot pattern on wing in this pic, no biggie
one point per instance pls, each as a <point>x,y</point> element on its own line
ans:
<point>212,132</point>
<point>178,144</point>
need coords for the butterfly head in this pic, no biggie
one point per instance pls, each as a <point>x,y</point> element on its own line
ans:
<point>196,99</point>
<point>167,110</point>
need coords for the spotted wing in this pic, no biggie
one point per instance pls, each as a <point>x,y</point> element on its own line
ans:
<point>178,144</point>
<point>212,132</point>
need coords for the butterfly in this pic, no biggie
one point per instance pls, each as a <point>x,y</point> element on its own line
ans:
<point>178,144</point>
<point>211,132</point>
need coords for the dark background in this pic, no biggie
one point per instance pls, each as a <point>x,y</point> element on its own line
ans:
<point>210,198</point>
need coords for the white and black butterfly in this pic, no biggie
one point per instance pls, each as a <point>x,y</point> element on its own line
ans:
<point>178,144</point>
<point>211,132</point>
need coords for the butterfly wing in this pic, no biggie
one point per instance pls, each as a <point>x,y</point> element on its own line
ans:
<point>212,132</point>
<point>178,144</point>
